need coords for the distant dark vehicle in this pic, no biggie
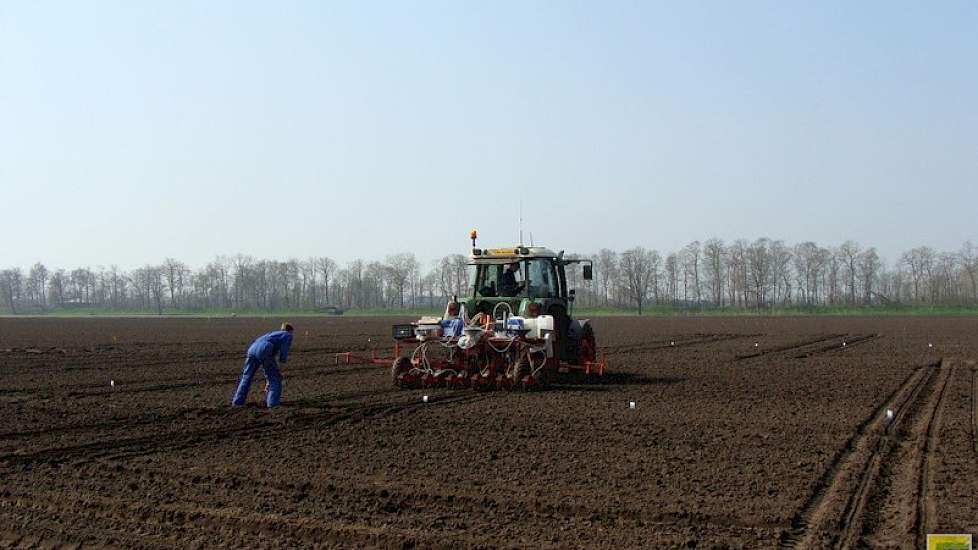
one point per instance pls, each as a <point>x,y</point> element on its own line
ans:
<point>331,310</point>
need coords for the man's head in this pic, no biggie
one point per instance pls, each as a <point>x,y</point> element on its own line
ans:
<point>514,267</point>
<point>287,326</point>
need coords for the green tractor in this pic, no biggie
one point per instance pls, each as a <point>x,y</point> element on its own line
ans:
<point>515,329</point>
<point>540,288</point>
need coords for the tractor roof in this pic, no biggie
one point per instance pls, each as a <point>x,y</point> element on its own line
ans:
<point>511,254</point>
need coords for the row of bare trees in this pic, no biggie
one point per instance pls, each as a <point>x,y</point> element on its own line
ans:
<point>760,274</point>
<point>769,273</point>
<point>236,283</point>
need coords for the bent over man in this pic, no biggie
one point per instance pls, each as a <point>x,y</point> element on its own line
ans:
<point>262,353</point>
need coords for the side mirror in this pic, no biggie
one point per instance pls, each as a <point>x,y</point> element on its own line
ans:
<point>588,275</point>
<point>572,295</point>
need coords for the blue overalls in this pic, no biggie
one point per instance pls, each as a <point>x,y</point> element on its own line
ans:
<point>262,354</point>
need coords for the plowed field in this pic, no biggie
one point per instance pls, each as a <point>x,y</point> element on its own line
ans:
<point>746,433</point>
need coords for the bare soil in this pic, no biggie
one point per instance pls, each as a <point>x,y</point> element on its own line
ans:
<point>746,433</point>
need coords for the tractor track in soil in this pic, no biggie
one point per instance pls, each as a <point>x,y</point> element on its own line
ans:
<point>816,515</point>
<point>110,423</point>
<point>668,344</point>
<point>926,505</point>
<point>185,439</point>
<point>789,347</point>
<point>91,360</point>
<point>854,519</point>
<point>123,386</point>
<point>335,402</point>
<point>215,522</point>
<point>180,382</point>
<point>404,501</point>
<point>974,408</point>
<point>837,347</point>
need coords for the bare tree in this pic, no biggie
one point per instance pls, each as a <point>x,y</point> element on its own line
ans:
<point>968,256</point>
<point>691,255</point>
<point>945,275</point>
<point>781,272</point>
<point>451,275</point>
<point>156,287</point>
<point>807,266</point>
<point>36,282</point>
<point>737,267</point>
<point>920,263</point>
<point>430,282</point>
<point>607,264</point>
<point>400,267</point>
<point>713,256</point>
<point>327,267</point>
<point>355,271</point>
<point>173,271</point>
<point>655,266</point>
<point>636,270</point>
<point>11,283</point>
<point>869,267</point>
<point>833,266</point>
<point>377,286</point>
<point>57,286</point>
<point>759,262</point>
<point>849,252</point>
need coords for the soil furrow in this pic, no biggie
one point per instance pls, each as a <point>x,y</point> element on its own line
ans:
<point>789,347</point>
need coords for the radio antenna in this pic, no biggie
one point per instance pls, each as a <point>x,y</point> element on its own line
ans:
<point>521,222</point>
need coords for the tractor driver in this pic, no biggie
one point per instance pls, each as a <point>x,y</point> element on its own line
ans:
<point>508,286</point>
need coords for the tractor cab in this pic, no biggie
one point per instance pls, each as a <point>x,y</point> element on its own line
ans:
<point>531,281</point>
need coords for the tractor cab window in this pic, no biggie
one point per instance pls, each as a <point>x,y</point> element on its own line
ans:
<point>491,280</point>
<point>487,280</point>
<point>541,278</point>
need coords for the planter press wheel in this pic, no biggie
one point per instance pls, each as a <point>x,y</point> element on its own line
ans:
<point>401,365</point>
<point>520,370</point>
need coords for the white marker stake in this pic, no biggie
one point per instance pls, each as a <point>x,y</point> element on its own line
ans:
<point>889,415</point>
<point>930,345</point>
<point>631,404</point>
<point>755,344</point>
<point>672,343</point>
<point>843,344</point>
<point>424,398</point>
<point>112,383</point>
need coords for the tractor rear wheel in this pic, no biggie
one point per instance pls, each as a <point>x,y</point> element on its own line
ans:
<point>401,365</point>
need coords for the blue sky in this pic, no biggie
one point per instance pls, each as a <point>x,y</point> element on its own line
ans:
<point>135,131</point>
